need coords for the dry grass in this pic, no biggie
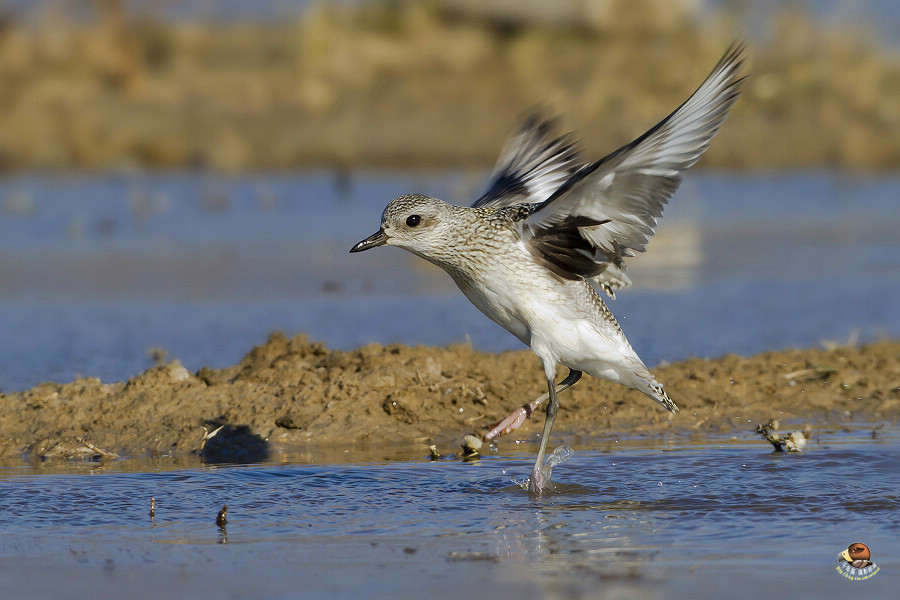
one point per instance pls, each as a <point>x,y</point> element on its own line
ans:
<point>423,86</point>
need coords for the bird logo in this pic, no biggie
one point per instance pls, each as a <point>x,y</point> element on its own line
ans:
<point>855,562</point>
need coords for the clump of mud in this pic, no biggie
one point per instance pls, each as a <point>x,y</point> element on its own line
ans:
<point>293,392</point>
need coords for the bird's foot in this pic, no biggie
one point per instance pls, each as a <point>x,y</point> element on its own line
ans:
<point>539,481</point>
<point>510,423</point>
<point>536,481</point>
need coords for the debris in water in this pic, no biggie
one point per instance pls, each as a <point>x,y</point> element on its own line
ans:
<point>152,507</point>
<point>473,556</point>
<point>792,442</point>
<point>222,517</point>
<point>471,445</point>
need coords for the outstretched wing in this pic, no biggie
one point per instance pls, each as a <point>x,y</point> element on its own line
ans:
<point>625,192</point>
<point>533,164</point>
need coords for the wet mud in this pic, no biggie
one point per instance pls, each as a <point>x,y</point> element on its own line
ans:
<point>290,393</point>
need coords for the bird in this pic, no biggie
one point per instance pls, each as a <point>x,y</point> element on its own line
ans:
<point>858,555</point>
<point>552,231</point>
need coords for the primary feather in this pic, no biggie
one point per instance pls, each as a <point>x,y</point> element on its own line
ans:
<point>607,210</point>
<point>534,163</point>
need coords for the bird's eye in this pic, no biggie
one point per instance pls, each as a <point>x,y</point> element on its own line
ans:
<point>413,220</point>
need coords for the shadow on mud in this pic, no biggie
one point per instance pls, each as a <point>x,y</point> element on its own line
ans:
<point>227,443</point>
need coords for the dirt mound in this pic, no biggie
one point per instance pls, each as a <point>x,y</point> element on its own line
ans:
<point>290,393</point>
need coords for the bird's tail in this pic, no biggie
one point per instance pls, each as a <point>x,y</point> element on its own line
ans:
<point>655,390</point>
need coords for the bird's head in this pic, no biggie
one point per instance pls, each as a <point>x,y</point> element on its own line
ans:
<point>856,552</point>
<point>414,222</point>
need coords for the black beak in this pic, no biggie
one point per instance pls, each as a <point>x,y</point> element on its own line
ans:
<point>379,238</point>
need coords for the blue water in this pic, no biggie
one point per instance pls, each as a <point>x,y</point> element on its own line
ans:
<point>96,270</point>
<point>653,518</point>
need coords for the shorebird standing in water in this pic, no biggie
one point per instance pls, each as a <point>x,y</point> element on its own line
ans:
<point>530,250</point>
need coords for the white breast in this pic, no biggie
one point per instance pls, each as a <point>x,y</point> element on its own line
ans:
<point>556,318</point>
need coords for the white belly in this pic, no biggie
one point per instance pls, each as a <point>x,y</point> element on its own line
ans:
<point>557,320</point>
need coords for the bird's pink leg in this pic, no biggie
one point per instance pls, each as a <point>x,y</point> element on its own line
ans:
<point>537,474</point>
<point>513,420</point>
<point>518,416</point>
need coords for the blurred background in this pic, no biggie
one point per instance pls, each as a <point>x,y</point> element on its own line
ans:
<point>181,178</point>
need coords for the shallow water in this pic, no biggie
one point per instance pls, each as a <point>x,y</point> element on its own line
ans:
<point>94,271</point>
<point>667,517</point>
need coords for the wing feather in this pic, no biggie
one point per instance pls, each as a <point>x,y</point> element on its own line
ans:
<point>626,191</point>
<point>533,164</point>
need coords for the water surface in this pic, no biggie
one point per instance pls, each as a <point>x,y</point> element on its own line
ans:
<point>663,517</point>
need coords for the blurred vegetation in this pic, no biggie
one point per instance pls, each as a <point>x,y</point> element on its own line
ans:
<point>406,84</point>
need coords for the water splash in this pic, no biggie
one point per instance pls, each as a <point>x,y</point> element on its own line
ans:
<point>557,457</point>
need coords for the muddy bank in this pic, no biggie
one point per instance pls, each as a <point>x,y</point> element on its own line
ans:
<point>290,393</point>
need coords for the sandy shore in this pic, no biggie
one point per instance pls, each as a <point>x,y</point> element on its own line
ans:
<point>291,393</point>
